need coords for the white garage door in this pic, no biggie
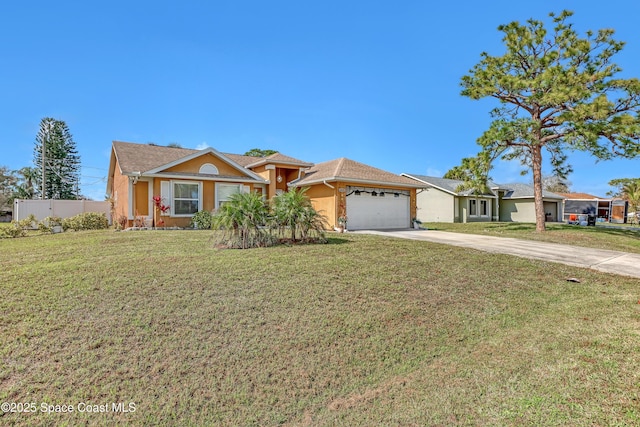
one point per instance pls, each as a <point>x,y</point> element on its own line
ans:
<point>375,209</point>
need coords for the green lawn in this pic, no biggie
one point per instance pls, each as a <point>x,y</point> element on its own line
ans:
<point>362,331</point>
<point>626,239</point>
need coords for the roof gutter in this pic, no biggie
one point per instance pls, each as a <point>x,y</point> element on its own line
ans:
<point>327,184</point>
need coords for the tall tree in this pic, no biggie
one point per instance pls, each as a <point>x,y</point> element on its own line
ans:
<point>557,92</point>
<point>257,152</point>
<point>60,168</point>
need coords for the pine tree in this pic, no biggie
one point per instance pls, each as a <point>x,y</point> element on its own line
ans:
<point>557,92</point>
<point>61,161</point>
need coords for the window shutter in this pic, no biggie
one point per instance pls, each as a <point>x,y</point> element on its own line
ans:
<point>165,193</point>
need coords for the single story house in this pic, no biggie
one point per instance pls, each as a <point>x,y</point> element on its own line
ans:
<point>189,181</point>
<point>440,201</point>
<point>605,210</point>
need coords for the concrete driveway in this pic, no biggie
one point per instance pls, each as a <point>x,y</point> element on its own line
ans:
<point>615,262</point>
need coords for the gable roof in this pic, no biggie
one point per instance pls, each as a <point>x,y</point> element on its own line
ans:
<point>348,170</point>
<point>525,191</point>
<point>152,160</point>
<point>512,190</point>
<point>447,185</point>
<point>280,159</point>
<point>134,158</point>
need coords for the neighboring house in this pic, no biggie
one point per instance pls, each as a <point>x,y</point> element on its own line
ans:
<point>610,210</point>
<point>440,201</point>
<point>193,180</point>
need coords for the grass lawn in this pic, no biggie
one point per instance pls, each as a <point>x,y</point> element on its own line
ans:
<point>626,239</point>
<point>362,331</point>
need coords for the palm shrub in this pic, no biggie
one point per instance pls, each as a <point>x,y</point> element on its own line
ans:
<point>242,222</point>
<point>293,210</point>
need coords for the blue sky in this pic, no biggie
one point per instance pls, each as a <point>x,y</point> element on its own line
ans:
<point>374,81</point>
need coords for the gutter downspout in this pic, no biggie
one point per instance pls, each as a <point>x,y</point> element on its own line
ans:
<point>327,184</point>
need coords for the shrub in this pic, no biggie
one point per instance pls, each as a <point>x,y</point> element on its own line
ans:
<point>48,223</point>
<point>202,220</point>
<point>86,221</point>
<point>13,230</point>
<point>18,228</point>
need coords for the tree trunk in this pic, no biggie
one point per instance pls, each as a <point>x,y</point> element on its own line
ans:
<point>536,160</point>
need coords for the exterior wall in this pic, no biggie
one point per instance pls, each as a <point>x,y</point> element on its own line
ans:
<point>434,205</point>
<point>170,221</point>
<point>208,195</point>
<point>208,201</point>
<point>193,166</point>
<point>323,200</point>
<point>517,211</point>
<point>331,202</point>
<point>120,194</point>
<point>262,171</point>
<point>141,198</point>
<point>523,210</point>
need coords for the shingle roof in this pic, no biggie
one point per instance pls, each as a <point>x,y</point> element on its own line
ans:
<point>348,170</point>
<point>280,158</point>
<point>512,190</point>
<point>143,157</point>
<point>134,157</point>
<point>242,160</point>
<point>519,190</point>
<point>449,185</point>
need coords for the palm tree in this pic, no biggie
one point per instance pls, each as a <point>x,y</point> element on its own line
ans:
<point>27,177</point>
<point>631,193</point>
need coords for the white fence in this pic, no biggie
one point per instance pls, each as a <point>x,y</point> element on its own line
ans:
<point>62,208</point>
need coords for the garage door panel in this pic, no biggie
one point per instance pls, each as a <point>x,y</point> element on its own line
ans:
<point>366,211</point>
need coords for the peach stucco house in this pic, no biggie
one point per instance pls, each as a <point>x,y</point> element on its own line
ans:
<point>191,180</point>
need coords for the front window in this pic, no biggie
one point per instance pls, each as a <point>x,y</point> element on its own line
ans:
<point>224,192</point>
<point>478,207</point>
<point>186,200</point>
<point>483,208</point>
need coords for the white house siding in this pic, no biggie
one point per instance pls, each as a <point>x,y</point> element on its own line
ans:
<point>435,206</point>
